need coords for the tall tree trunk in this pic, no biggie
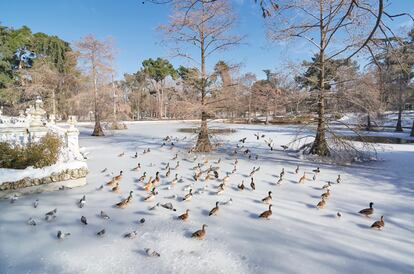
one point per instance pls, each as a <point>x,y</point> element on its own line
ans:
<point>203,141</point>
<point>320,145</point>
<point>368,127</point>
<point>97,131</point>
<point>398,127</point>
<point>412,130</point>
<point>250,108</point>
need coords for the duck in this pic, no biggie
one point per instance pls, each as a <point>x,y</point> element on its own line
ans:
<point>121,154</point>
<point>338,214</point>
<point>125,202</point>
<point>175,157</point>
<point>302,179</point>
<point>328,185</point>
<point>104,170</point>
<point>252,185</point>
<point>200,234</point>
<point>268,198</point>
<point>116,188</point>
<point>135,155</point>
<point>367,211</point>
<point>207,178</point>
<point>241,186</point>
<point>338,180</point>
<point>137,167</point>
<point>297,169</point>
<point>111,183</point>
<point>326,194</point>
<point>266,214</point>
<point>167,174</point>
<point>214,210</point>
<point>36,203</point>
<point>61,235</point>
<point>131,235</point>
<point>226,179</point>
<point>31,221</point>
<point>317,170</point>
<point>118,177</point>
<point>220,190</point>
<point>177,165</point>
<point>216,175</point>
<point>321,204</point>
<point>188,196</point>
<point>148,185</point>
<point>314,177</point>
<point>379,224</point>
<point>101,233</point>
<point>184,216</point>
<point>279,181</point>
<point>152,253</point>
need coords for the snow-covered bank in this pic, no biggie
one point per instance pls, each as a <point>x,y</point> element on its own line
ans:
<point>298,238</point>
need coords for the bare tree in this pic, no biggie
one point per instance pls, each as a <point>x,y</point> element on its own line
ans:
<point>96,56</point>
<point>206,27</point>
<point>335,28</point>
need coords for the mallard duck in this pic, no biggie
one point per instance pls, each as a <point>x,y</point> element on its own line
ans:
<point>379,224</point>
<point>302,179</point>
<point>268,199</point>
<point>241,186</point>
<point>252,185</point>
<point>326,194</point>
<point>199,234</point>
<point>214,210</point>
<point>266,214</point>
<point>367,211</point>
<point>118,177</point>
<point>184,216</point>
<point>321,204</point>
<point>125,202</point>
<point>188,196</point>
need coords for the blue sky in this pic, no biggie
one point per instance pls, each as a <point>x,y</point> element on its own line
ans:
<point>133,27</point>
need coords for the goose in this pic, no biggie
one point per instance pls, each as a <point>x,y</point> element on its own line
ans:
<point>328,185</point>
<point>368,211</point>
<point>326,194</point>
<point>302,179</point>
<point>282,173</point>
<point>175,180</point>
<point>184,216</point>
<point>241,186</point>
<point>150,197</point>
<point>131,235</point>
<point>214,210</point>
<point>152,253</point>
<point>116,188</point>
<point>104,215</point>
<point>125,202</point>
<point>220,190</point>
<point>338,180</point>
<point>82,201</point>
<point>321,204</point>
<point>101,233</point>
<point>188,196</point>
<point>297,169</point>
<point>268,199</point>
<point>84,220</point>
<point>61,235</point>
<point>379,224</point>
<point>36,203</point>
<point>200,234</point>
<point>118,177</point>
<point>142,178</point>
<point>252,185</point>
<point>266,214</point>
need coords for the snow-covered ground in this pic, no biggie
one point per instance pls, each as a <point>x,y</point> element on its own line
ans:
<point>298,238</point>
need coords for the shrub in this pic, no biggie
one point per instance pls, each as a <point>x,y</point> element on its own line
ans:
<point>40,154</point>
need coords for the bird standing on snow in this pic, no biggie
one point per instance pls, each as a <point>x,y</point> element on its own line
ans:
<point>36,203</point>
<point>32,222</point>
<point>83,220</point>
<point>215,210</point>
<point>104,215</point>
<point>338,180</point>
<point>184,216</point>
<point>252,185</point>
<point>82,201</point>
<point>268,198</point>
<point>60,235</point>
<point>152,253</point>
<point>51,215</point>
<point>367,211</point>
<point>101,233</point>
<point>200,234</point>
<point>131,235</point>
<point>188,196</point>
<point>266,214</point>
<point>379,224</point>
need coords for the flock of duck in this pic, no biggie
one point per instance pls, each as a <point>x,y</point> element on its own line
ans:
<point>211,171</point>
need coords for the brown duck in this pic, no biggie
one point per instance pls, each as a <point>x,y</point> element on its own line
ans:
<point>199,234</point>
<point>379,224</point>
<point>215,210</point>
<point>266,214</point>
<point>125,202</point>
<point>184,216</point>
